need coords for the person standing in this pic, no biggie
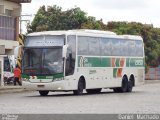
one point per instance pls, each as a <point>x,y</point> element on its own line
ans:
<point>17,75</point>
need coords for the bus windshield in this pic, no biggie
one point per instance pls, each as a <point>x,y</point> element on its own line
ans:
<point>42,61</point>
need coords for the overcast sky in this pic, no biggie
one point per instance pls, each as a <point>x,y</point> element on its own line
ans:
<point>144,11</point>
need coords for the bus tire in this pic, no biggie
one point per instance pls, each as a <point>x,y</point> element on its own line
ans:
<point>131,83</point>
<point>93,91</point>
<point>117,90</point>
<point>130,86</point>
<point>43,93</point>
<point>80,87</point>
<point>124,86</point>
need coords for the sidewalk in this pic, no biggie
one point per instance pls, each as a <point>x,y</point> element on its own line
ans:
<point>11,89</point>
<point>151,81</point>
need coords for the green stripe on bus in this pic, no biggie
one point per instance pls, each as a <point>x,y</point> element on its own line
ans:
<point>59,75</point>
<point>107,62</point>
<point>115,72</point>
<point>94,62</point>
<point>25,76</point>
<point>117,62</point>
<point>134,62</point>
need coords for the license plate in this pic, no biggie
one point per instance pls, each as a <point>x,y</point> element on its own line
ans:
<point>41,86</point>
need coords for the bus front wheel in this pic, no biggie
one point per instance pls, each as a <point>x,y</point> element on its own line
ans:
<point>81,86</point>
<point>43,93</point>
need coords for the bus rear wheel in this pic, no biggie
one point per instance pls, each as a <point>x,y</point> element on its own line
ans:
<point>130,86</point>
<point>124,87</point>
<point>93,91</point>
<point>43,93</point>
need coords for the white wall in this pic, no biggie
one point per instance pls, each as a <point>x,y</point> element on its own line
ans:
<point>9,44</point>
<point>1,71</point>
<point>10,6</point>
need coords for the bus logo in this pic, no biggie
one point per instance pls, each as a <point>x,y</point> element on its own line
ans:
<point>139,62</point>
<point>83,62</point>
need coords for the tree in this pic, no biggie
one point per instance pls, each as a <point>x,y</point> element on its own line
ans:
<point>39,21</point>
<point>53,18</point>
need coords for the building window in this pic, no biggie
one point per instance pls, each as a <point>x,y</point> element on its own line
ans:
<point>8,12</point>
<point>7,28</point>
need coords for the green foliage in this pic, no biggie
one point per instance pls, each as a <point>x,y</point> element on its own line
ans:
<point>39,22</point>
<point>150,35</point>
<point>53,18</point>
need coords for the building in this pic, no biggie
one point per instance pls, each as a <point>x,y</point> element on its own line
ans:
<point>10,12</point>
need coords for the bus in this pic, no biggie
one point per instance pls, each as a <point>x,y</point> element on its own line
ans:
<point>78,60</point>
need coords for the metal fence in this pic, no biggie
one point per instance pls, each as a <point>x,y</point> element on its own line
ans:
<point>153,73</point>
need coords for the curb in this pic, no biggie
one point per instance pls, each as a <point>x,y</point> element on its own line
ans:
<point>151,81</point>
<point>11,89</point>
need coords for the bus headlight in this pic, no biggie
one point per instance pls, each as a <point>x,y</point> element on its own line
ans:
<point>25,79</point>
<point>57,79</point>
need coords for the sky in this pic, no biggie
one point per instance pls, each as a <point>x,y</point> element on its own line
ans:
<point>144,11</point>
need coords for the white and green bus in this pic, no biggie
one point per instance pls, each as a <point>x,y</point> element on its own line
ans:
<point>78,60</point>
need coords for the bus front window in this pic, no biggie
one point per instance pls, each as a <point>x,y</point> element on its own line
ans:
<point>42,61</point>
<point>52,61</point>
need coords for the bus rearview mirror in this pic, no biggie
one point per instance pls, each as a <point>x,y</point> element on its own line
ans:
<point>17,51</point>
<point>64,51</point>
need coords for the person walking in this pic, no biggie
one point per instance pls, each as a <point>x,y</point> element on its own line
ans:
<point>17,75</point>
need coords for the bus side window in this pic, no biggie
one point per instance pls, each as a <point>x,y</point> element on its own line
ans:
<point>105,47</point>
<point>124,48</point>
<point>132,48</point>
<point>94,46</point>
<point>116,47</point>
<point>83,45</point>
<point>139,48</point>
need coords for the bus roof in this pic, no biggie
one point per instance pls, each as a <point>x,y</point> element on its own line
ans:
<point>86,32</point>
<point>63,32</point>
<point>47,33</point>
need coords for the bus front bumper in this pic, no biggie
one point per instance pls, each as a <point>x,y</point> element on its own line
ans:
<point>51,86</point>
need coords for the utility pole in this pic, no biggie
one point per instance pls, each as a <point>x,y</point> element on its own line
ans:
<point>24,20</point>
<point>21,37</point>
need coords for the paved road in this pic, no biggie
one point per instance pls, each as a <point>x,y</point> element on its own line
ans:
<point>143,99</point>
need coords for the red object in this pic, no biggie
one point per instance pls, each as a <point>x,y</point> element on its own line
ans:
<point>17,72</point>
